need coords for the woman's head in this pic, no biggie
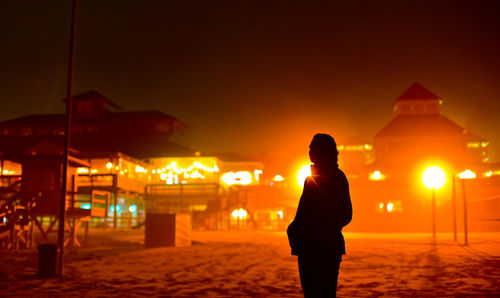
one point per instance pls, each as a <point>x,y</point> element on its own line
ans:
<point>323,150</point>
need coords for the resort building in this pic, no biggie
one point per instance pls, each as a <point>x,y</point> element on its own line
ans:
<point>386,176</point>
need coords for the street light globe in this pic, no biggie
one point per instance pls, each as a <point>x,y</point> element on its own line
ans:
<point>467,174</point>
<point>434,177</point>
<point>303,173</point>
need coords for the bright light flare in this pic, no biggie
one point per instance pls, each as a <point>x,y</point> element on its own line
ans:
<point>303,173</point>
<point>467,174</point>
<point>278,178</point>
<point>377,175</point>
<point>434,177</point>
<point>257,174</point>
<point>140,169</point>
<point>241,178</point>
<point>390,206</point>
<point>239,213</point>
<point>86,206</point>
<point>82,170</point>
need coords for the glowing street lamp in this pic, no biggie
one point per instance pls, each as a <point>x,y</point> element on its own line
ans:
<point>303,173</point>
<point>239,214</point>
<point>434,178</point>
<point>278,178</point>
<point>467,174</point>
<point>376,175</point>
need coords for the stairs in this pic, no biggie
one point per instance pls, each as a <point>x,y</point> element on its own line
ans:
<point>14,214</point>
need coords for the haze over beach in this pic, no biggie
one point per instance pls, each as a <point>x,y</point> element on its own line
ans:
<point>247,77</point>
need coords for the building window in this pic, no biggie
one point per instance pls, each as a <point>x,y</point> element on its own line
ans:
<point>58,131</point>
<point>473,145</point>
<point>77,129</point>
<point>41,131</point>
<point>84,109</point>
<point>431,107</point>
<point>405,108</point>
<point>92,129</point>
<point>419,108</point>
<point>390,207</point>
<point>26,131</point>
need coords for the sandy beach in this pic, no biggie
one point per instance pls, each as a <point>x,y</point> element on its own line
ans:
<point>258,264</point>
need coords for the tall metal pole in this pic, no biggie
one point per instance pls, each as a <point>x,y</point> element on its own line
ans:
<point>465,213</point>
<point>67,141</point>
<point>433,213</point>
<point>454,201</point>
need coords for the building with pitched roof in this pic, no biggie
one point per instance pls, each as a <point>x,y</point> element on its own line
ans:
<point>128,157</point>
<point>389,187</point>
<point>419,131</point>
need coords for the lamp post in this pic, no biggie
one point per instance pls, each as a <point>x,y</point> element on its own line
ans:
<point>434,178</point>
<point>67,141</point>
<point>454,202</point>
<point>467,174</point>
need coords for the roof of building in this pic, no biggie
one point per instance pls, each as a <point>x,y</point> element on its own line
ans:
<point>35,119</point>
<point>93,95</point>
<point>417,91</point>
<point>150,115</point>
<point>58,119</point>
<point>13,146</point>
<point>141,146</point>
<point>419,125</point>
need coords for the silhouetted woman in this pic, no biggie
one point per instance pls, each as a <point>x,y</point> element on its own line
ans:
<point>324,209</point>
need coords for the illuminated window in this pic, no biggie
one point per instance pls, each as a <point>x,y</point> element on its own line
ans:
<point>278,178</point>
<point>377,175</point>
<point>390,207</point>
<point>239,213</point>
<point>473,145</point>
<point>354,147</point>
<point>238,178</point>
<point>59,131</point>
<point>82,170</point>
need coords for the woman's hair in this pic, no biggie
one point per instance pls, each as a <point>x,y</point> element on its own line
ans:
<point>323,149</point>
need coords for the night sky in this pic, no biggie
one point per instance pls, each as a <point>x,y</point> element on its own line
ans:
<point>258,77</point>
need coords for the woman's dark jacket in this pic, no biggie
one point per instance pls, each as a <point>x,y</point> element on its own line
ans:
<point>324,209</point>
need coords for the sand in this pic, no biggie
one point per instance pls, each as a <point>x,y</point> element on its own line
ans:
<point>258,264</point>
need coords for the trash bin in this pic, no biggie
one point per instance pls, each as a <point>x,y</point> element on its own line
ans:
<point>167,230</point>
<point>47,259</point>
